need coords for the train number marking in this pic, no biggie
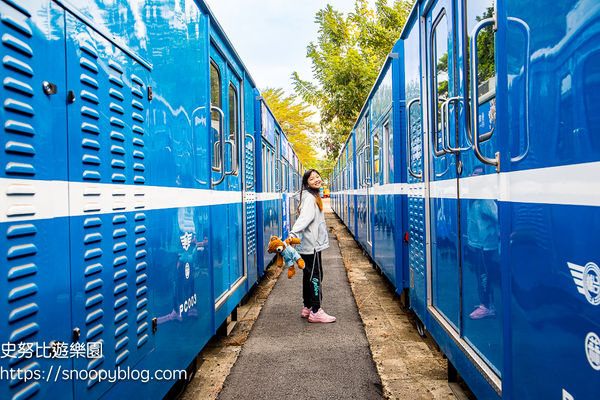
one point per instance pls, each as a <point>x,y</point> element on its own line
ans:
<point>188,304</point>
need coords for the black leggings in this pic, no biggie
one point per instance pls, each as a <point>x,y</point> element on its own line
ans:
<point>311,280</point>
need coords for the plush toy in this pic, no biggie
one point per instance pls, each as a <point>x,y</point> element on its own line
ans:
<point>285,252</point>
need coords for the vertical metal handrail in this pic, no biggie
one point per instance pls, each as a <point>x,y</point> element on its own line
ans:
<point>221,145</point>
<point>254,164</point>
<point>434,142</point>
<point>448,147</point>
<point>475,96</point>
<point>444,116</point>
<point>409,140</point>
<point>230,143</point>
<point>525,28</point>
<point>235,160</point>
<point>368,180</point>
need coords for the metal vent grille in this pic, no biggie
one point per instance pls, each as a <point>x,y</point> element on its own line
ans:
<point>251,204</point>
<point>416,204</point>
<point>107,127</point>
<point>19,158</point>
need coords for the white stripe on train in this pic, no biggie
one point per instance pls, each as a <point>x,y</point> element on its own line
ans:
<point>576,184</point>
<point>27,199</point>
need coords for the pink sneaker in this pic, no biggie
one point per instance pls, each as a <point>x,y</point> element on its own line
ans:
<point>482,312</point>
<point>305,312</point>
<point>320,316</point>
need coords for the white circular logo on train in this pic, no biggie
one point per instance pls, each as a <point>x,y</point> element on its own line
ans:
<point>592,350</point>
<point>591,283</point>
<point>187,270</point>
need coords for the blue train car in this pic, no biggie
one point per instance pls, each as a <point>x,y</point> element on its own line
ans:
<point>278,181</point>
<point>132,135</point>
<point>501,148</point>
<point>373,179</point>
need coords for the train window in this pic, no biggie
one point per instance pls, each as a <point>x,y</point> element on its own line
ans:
<point>376,166</point>
<point>440,69</point>
<point>486,73</point>
<point>264,167</point>
<point>385,165</point>
<point>233,125</point>
<point>476,11</point>
<point>215,116</point>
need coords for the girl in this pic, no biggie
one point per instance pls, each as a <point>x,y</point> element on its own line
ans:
<point>310,228</point>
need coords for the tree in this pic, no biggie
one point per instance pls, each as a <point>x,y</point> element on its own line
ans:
<point>346,59</point>
<point>295,120</point>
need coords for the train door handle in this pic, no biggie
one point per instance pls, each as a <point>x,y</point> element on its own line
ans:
<point>446,122</point>
<point>434,136</point>
<point>221,145</point>
<point>231,158</point>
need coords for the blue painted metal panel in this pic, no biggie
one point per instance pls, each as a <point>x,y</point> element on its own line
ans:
<point>551,114</point>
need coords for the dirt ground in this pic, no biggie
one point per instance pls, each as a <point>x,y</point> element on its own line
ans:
<point>410,367</point>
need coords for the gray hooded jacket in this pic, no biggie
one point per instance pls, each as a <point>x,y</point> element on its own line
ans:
<point>310,226</point>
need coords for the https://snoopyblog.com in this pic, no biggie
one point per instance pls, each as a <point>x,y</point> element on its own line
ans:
<point>61,351</point>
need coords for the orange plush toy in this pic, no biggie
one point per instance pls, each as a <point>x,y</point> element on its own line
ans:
<point>286,252</point>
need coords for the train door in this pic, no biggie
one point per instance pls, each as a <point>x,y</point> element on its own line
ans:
<point>234,184</point>
<point>444,230</point>
<point>226,215</point>
<point>249,181</point>
<point>464,235</point>
<point>479,212</point>
<point>369,182</point>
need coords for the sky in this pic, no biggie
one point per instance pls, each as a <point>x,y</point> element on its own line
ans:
<point>271,35</point>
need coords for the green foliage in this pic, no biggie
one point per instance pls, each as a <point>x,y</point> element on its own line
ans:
<point>346,59</point>
<point>295,120</point>
<point>485,49</point>
<point>442,66</point>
